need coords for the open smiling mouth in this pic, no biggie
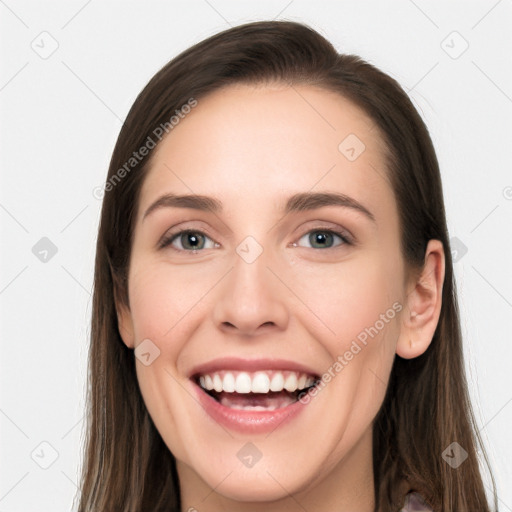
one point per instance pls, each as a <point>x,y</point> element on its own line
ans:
<point>256,391</point>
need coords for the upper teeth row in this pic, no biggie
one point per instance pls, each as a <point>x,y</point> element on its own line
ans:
<point>258,382</point>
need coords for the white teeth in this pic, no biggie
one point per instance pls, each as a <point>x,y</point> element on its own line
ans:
<point>228,384</point>
<point>243,383</point>
<point>277,382</point>
<point>290,384</point>
<point>208,382</point>
<point>258,382</point>
<point>217,383</point>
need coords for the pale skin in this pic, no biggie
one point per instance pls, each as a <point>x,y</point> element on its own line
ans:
<point>251,148</point>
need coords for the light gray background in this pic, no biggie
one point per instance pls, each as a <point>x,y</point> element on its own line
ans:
<point>60,117</point>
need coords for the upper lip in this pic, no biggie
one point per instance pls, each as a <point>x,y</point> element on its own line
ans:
<point>249,365</point>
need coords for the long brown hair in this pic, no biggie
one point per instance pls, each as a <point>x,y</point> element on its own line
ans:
<point>127,466</point>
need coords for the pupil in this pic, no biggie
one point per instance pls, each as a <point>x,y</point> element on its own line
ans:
<point>192,237</point>
<point>321,237</point>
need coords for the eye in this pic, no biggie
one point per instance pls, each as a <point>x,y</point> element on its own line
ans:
<point>323,238</point>
<point>194,240</point>
<point>190,240</point>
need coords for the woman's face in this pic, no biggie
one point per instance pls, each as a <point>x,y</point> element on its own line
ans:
<point>273,288</point>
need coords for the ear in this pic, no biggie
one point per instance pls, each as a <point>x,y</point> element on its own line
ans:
<point>124,321</point>
<point>423,304</point>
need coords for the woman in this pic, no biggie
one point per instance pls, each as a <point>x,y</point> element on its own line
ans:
<point>275,322</point>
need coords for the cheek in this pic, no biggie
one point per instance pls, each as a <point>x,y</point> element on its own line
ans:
<point>164,302</point>
<point>360,304</point>
<point>351,298</point>
<point>160,300</point>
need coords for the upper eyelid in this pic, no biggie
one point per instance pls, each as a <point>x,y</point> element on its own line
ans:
<point>327,225</point>
<point>342,233</point>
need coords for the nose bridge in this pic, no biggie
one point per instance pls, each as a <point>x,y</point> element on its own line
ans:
<point>251,294</point>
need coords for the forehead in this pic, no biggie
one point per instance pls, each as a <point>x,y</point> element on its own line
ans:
<point>252,144</point>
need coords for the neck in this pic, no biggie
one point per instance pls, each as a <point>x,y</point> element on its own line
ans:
<point>343,486</point>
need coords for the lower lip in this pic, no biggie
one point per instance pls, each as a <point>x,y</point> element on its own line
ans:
<point>245,421</point>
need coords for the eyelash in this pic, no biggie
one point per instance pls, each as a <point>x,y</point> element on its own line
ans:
<point>167,240</point>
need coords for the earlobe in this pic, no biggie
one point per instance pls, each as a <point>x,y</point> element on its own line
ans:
<point>423,304</point>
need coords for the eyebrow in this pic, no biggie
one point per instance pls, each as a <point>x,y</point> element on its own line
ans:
<point>300,202</point>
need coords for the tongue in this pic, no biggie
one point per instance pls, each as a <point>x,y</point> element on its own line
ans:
<point>256,401</point>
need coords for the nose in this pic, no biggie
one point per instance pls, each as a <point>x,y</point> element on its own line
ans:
<point>251,299</point>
